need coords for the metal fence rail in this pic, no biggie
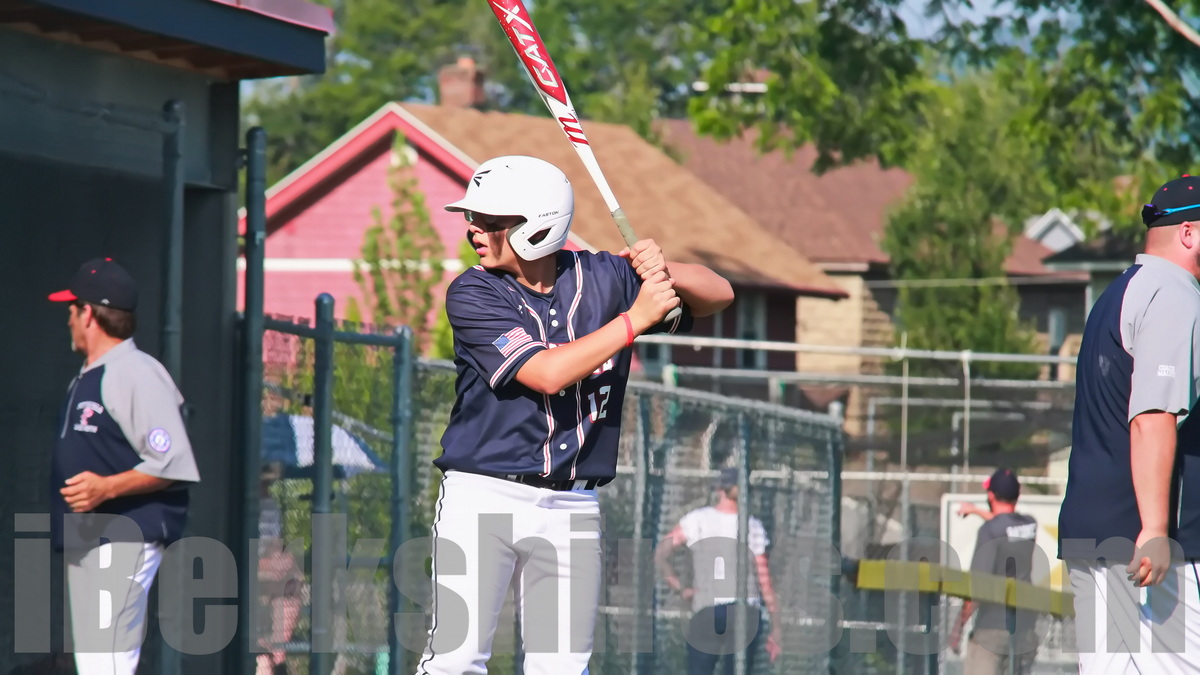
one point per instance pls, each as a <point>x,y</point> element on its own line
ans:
<point>335,494</point>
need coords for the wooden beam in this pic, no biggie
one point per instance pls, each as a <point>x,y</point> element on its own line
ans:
<point>920,577</point>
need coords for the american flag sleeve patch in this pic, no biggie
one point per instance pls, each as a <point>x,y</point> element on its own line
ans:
<point>512,341</point>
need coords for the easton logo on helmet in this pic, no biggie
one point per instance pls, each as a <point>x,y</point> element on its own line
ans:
<point>479,176</point>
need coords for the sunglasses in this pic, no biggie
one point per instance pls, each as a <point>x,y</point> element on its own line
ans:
<point>1151,212</point>
<point>485,218</point>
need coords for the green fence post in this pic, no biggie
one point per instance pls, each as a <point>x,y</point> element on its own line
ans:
<point>741,607</point>
<point>252,383</point>
<point>834,462</point>
<point>401,468</point>
<point>321,643</point>
<point>644,596</point>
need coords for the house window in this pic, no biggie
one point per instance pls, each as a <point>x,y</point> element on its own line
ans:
<point>752,325</point>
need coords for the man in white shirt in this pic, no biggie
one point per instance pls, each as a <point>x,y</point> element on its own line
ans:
<point>710,533</point>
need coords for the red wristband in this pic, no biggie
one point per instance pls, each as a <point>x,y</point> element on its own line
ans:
<point>628,329</point>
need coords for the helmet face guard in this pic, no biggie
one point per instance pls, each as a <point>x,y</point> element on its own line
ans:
<point>535,190</point>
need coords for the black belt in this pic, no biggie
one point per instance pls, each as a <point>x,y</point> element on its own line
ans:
<point>534,480</point>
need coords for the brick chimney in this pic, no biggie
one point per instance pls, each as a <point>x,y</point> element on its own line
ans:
<point>460,85</point>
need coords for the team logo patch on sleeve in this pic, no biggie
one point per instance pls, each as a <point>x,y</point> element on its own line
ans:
<point>159,440</point>
<point>511,341</point>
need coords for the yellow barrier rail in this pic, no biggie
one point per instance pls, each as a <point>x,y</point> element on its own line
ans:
<point>921,577</point>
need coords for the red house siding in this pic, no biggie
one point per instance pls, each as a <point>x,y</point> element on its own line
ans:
<point>326,233</point>
<point>312,241</point>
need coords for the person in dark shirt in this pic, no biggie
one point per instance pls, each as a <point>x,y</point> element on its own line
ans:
<point>1003,547</point>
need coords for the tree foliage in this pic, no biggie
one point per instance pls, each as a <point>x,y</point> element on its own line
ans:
<point>382,51</point>
<point>1108,103</point>
<point>957,222</point>
<point>402,255</point>
<point>627,61</point>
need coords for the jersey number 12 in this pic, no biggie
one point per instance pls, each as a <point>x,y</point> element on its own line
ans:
<point>599,401</point>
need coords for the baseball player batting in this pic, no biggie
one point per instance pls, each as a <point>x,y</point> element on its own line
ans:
<point>542,343</point>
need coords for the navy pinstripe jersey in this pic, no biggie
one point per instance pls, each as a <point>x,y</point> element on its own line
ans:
<point>497,424</point>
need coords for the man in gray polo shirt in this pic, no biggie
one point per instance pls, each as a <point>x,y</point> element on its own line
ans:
<point>119,472</point>
<point>1133,481</point>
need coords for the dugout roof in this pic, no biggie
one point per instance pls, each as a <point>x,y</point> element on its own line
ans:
<point>226,39</point>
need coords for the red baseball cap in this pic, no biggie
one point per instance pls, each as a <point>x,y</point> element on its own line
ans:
<point>101,282</point>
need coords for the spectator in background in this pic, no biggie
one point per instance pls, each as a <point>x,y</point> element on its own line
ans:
<point>279,580</point>
<point>1004,547</point>
<point>717,527</point>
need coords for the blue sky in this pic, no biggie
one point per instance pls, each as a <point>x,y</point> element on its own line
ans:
<point>913,13</point>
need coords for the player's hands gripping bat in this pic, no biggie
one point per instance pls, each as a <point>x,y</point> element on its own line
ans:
<point>518,26</point>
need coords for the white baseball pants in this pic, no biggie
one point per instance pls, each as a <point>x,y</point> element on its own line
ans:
<point>491,535</point>
<point>108,622</point>
<point>1124,629</point>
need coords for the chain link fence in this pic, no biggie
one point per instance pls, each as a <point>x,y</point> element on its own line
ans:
<point>923,431</point>
<point>876,472</point>
<point>360,396</point>
<point>674,442</point>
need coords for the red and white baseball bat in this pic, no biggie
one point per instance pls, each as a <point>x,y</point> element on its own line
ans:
<point>523,35</point>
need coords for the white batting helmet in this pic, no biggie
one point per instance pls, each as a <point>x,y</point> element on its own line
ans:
<point>534,189</point>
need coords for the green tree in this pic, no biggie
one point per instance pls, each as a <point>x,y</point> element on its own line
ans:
<point>628,61</point>
<point>631,61</point>
<point>402,255</point>
<point>958,221</point>
<point>843,75</point>
<point>382,51</point>
<point>1109,107</point>
<point>976,181</point>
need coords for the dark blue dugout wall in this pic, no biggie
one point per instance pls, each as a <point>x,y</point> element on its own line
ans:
<point>78,182</point>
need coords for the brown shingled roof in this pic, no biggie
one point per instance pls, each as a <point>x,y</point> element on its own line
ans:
<point>837,217</point>
<point>663,200</point>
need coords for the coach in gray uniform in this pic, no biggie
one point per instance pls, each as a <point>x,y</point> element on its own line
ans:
<point>120,469</point>
<point>1133,478</point>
